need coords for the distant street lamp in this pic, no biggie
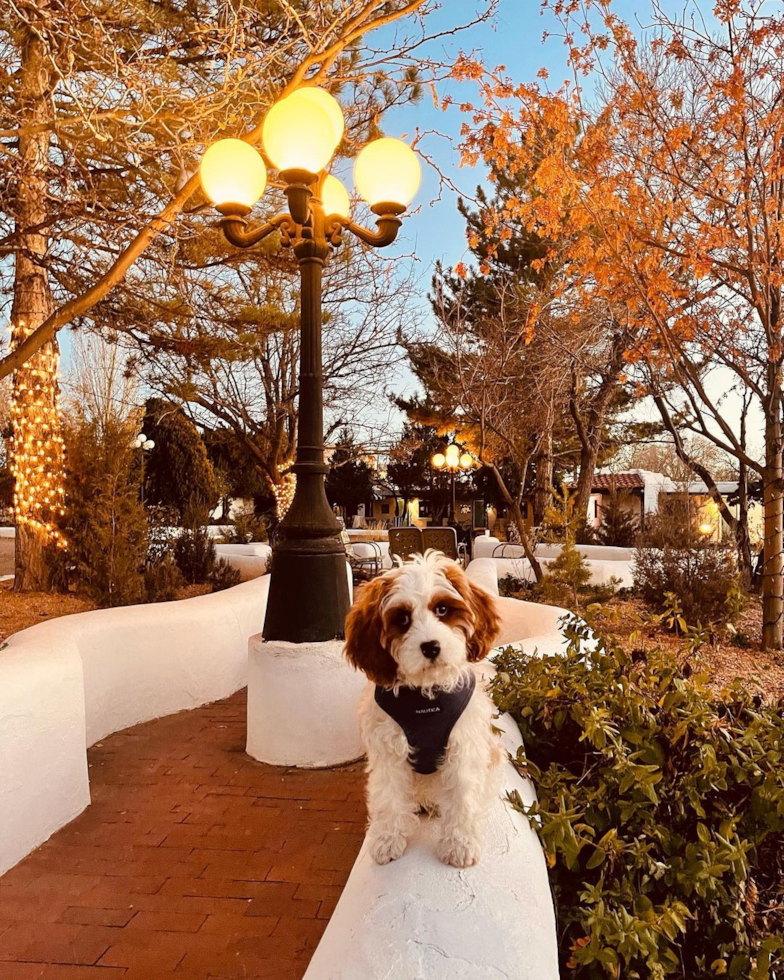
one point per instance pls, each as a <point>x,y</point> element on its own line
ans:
<point>453,461</point>
<point>308,595</point>
<point>145,444</point>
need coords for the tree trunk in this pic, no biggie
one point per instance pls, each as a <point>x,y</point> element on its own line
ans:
<point>773,502</point>
<point>544,478</point>
<point>36,445</point>
<point>517,516</point>
<point>588,457</point>
<point>516,510</point>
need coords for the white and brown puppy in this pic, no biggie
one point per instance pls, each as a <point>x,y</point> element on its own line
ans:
<point>416,632</point>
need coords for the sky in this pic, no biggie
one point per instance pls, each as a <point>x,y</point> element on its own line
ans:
<point>434,230</point>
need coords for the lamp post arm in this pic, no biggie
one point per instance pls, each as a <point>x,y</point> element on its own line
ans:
<point>388,226</point>
<point>236,230</point>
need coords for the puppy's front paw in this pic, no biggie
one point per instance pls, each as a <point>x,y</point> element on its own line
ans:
<point>386,847</point>
<point>458,849</point>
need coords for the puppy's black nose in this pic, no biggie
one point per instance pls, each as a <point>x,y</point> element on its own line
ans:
<point>431,649</point>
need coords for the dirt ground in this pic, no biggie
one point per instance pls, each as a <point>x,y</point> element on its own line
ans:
<point>762,671</point>
<point>20,610</point>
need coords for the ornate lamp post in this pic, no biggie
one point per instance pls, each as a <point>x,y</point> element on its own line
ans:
<point>453,461</point>
<point>145,444</point>
<point>308,597</point>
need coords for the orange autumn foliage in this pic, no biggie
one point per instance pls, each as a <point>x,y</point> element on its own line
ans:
<point>666,190</point>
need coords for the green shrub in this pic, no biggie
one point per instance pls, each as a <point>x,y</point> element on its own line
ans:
<point>510,586</point>
<point>105,522</point>
<point>703,577</point>
<point>565,577</point>
<point>223,576</point>
<point>194,552</point>
<point>162,580</point>
<point>245,528</point>
<point>661,814</point>
<point>619,527</point>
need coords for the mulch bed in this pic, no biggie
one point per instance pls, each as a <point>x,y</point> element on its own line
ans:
<point>762,671</point>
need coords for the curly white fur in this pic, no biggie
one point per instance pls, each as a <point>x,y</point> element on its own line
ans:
<point>393,617</point>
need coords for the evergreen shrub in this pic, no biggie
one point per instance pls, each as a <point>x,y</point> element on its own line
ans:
<point>660,810</point>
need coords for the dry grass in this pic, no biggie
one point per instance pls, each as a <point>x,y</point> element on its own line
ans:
<point>18,610</point>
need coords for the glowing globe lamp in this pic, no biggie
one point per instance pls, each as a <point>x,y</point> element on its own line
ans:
<point>439,461</point>
<point>232,172</point>
<point>387,171</point>
<point>453,455</point>
<point>334,197</point>
<point>328,103</point>
<point>466,461</point>
<point>298,135</point>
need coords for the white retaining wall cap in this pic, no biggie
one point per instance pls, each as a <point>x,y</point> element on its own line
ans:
<point>484,573</point>
<point>7,532</point>
<point>260,548</point>
<point>418,919</point>
<point>69,682</point>
<point>302,704</point>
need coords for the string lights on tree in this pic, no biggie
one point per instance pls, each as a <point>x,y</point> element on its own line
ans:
<point>284,492</point>
<point>37,451</point>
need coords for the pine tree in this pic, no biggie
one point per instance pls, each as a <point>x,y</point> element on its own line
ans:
<point>178,473</point>
<point>619,527</point>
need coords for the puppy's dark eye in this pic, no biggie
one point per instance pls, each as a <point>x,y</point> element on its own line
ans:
<point>404,620</point>
<point>441,610</point>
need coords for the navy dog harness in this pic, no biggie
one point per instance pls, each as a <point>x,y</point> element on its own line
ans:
<point>426,722</point>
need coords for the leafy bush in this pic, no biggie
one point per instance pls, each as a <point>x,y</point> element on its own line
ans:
<point>178,473</point>
<point>704,578</point>
<point>510,586</point>
<point>162,580</point>
<point>194,552</point>
<point>223,576</point>
<point>661,813</point>
<point>246,527</point>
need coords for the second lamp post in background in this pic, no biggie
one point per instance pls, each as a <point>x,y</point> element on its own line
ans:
<point>308,597</point>
<point>453,461</point>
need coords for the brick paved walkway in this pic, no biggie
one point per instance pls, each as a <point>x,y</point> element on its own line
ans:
<point>193,862</point>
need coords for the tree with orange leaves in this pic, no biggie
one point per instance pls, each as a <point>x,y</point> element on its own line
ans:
<point>670,196</point>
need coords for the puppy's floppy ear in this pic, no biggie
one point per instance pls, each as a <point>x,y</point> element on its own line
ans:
<point>363,648</point>
<point>487,622</point>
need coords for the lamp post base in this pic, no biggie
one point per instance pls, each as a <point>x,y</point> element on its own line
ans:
<point>309,596</point>
<point>302,704</point>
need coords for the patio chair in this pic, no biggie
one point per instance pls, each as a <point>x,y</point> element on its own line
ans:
<point>404,542</point>
<point>364,566</point>
<point>445,539</point>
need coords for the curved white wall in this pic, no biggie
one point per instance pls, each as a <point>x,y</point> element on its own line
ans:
<point>417,918</point>
<point>69,682</point>
<point>251,560</point>
<point>603,563</point>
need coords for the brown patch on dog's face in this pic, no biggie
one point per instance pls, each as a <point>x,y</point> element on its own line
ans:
<point>366,645</point>
<point>396,622</point>
<point>480,612</point>
<point>452,611</point>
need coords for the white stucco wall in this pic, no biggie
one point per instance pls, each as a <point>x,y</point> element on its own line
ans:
<point>251,560</point>
<point>66,683</point>
<point>418,919</point>
<point>604,563</point>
